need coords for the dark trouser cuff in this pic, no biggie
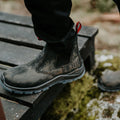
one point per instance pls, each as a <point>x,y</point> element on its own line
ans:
<point>51,19</point>
<point>60,37</point>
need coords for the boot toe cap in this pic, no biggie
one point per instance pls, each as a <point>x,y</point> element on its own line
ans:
<point>27,79</point>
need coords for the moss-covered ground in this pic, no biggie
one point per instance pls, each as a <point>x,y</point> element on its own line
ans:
<point>73,102</point>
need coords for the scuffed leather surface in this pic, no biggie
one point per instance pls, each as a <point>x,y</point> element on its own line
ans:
<point>47,65</point>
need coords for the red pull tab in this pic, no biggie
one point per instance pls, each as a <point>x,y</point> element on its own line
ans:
<point>78,27</point>
<point>39,38</point>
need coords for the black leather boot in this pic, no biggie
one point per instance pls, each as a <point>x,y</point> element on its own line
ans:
<point>55,64</point>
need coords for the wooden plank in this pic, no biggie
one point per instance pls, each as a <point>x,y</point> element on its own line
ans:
<point>36,112</point>
<point>12,110</point>
<point>86,46</point>
<point>15,54</point>
<point>26,21</point>
<point>15,19</point>
<point>88,32</point>
<point>19,35</point>
<point>27,100</point>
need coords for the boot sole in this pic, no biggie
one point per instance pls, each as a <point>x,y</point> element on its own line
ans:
<point>107,89</point>
<point>64,79</point>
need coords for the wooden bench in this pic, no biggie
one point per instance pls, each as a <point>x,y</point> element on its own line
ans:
<point>18,45</point>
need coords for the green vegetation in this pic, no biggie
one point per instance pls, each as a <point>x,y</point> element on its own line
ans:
<point>71,104</point>
<point>102,5</point>
<point>73,100</point>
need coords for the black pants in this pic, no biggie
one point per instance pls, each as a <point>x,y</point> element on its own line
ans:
<point>51,18</point>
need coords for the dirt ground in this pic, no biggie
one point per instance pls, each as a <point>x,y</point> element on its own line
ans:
<point>107,23</point>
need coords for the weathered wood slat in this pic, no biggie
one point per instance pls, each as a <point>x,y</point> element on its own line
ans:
<point>26,21</point>
<point>29,101</point>
<point>38,109</point>
<point>19,35</point>
<point>88,32</point>
<point>15,54</point>
<point>84,43</point>
<point>15,19</point>
<point>12,110</point>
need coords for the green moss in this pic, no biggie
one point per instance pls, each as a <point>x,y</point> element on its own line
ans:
<point>73,100</point>
<point>94,92</point>
<point>102,5</point>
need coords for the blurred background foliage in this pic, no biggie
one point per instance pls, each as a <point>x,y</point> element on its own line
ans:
<point>100,5</point>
